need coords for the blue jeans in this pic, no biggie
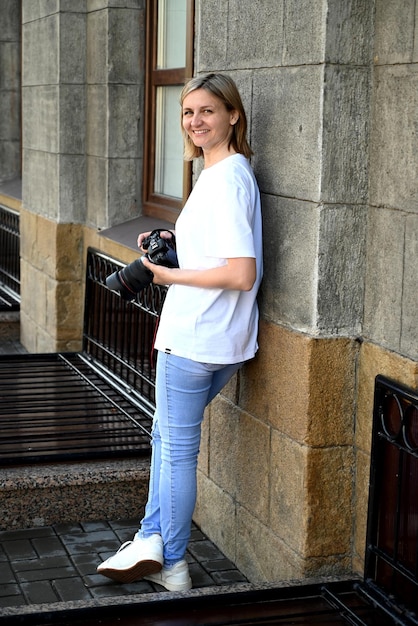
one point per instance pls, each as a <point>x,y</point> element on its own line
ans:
<point>183,389</point>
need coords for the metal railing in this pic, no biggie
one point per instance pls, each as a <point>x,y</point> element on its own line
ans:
<point>9,259</point>
<point>97,403</point>
<point>119,335</point>
<point>392,545</point>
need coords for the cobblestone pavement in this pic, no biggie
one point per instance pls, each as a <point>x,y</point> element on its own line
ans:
<point>58,563</point>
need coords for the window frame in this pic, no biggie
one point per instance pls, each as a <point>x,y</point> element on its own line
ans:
<point>155,204</point>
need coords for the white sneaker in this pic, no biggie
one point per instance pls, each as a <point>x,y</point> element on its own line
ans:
<point>134,559</point>
<point>176,578</point>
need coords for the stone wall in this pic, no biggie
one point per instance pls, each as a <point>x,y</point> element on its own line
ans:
<point>279,449</point>
<point>391,297</point>
<point>9,89</point>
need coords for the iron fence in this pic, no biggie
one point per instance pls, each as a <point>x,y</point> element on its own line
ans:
<point>9,259</point>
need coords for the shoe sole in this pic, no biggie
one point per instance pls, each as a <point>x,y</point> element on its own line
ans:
<point>169,586</point>
<point>137,571</point>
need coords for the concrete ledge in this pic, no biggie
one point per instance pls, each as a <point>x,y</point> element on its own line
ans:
<point>39,496</point>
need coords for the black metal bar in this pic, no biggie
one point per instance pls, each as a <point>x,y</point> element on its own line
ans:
<point>9,259</point>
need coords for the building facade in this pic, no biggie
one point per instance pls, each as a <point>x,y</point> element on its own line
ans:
<point>330,89</point>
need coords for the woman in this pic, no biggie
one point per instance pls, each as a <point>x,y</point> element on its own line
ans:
<point>208,326</point>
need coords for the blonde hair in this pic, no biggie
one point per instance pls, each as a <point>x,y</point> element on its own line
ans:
<point>224,88</point>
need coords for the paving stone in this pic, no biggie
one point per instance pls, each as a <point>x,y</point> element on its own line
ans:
<point>27,533</point>
<point>228,577</point>
<point>114,589</point>
<point>199,576</point>
<point>205,550</point>
<point>48,546</point>
<point>19,550</point>
<point>86,564</point>
<point>32,565</point>
<point>72,589</point>
<point>46,574</point>
<point>10,601</point>
<point>8,590</point>
<point>6,575</point>
<point>39,592</point>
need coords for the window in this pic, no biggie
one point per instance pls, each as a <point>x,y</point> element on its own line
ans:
<point>168,67</point>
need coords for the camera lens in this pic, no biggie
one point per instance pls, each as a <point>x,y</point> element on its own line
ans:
<point>130,280</point>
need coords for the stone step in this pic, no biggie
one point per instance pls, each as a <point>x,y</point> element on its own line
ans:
<point>33,496</point>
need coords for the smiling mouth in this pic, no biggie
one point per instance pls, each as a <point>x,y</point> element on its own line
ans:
<point>200,132</point>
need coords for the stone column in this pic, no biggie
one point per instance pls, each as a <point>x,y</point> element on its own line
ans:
<point>54,173</point>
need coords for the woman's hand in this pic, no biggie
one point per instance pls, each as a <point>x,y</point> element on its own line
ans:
<point>238,274</point>
<point>141,238</point>
<point>164,234</point>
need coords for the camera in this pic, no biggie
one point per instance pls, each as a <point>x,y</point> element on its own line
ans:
<point>134,277</point>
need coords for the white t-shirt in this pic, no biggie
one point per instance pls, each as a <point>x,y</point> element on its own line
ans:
<point>221,219</point>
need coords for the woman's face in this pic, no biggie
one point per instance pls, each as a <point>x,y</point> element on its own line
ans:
<point>207,121</point>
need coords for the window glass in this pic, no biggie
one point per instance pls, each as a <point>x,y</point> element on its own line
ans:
<point>168,143</point>
<point>171,45</point>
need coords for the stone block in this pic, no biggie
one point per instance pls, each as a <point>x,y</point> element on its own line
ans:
<point>281,371</point>
<point>345,137</point>
<point>394,32</point>
<point>9,159</point>
<point>329,494</point>
<point>41,118</point>
<point>42,195</point>
<point>10,20</point>
<point>215,515</point>
<point>28,333</point>
<point>261,554</point>
<point>290,162</point>
<point>97,53</point>
<point>72,191</point>
<point>384,277</point>
<point>393,145</point>
<point>122,192</point>
<point>211,33</point>
<point>97,192</point>
<point>239,456</point>
<point>97,121</point>
<point>34,286</point>
<point>69,251</point>
<point>124,110</point>
<point>9,121</point>
<point>73,35</point>
<point>256,46</point>
<point>349,32</point>
<point>72,119</point>
<point>409,343</point>
<point>125,45</point>
<point>304,32</point>
<point>361,501</point>
<point>32,11</point>
<point>311,497</point>
<point>307,386</point>
<point>41,51</point>
<point>376,360</point>
<point>289,509</point>
<point>332,392</point>
<point>288,290</point>
<point>341,270</point>
<point>10,66</point>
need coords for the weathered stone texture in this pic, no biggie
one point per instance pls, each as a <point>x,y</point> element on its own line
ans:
<point>308,386</point>
<point>393,142</point>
